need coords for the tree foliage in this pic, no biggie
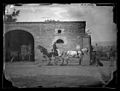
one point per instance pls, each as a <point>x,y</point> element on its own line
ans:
<point>11,17</point>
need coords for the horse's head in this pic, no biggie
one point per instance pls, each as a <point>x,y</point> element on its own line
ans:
<point>85,50</point>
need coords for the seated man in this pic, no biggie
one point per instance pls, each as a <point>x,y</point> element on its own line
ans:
<point>55,52</point>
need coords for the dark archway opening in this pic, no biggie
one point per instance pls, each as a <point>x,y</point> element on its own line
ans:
<point>19,46</point>
<point>59,31</point>
<point>60,41</point>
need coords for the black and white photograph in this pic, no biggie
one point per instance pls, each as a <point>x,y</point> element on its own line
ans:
<point>54,45</point>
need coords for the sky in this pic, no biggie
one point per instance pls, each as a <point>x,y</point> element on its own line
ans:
<point>99,19</point>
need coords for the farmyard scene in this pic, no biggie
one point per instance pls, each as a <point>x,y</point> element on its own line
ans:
<point>59,45</point>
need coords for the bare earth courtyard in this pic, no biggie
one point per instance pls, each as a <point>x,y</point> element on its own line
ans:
<point>30,74</point>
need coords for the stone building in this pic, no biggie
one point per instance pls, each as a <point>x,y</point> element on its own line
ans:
<point>68,35</point>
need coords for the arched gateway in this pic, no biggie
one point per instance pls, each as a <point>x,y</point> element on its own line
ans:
<point>19,46</point>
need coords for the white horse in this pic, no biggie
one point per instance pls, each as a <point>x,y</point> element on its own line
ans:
<point>72,53</point>
<point>85,50</point>
<point>79,53</point>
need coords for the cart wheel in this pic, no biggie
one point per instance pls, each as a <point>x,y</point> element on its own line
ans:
<point>66,61</point>
<point>58,60</point>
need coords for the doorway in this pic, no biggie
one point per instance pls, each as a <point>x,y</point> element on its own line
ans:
<point>19,46</point>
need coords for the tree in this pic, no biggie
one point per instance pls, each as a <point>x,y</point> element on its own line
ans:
<point>11,17</point>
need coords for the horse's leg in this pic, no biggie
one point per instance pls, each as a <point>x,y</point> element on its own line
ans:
<point>50,61</point>
<point>59,59</point>
<point>79,61</point>
<point>63,61</point>
<point>56,61</point>
<point>67,61</point>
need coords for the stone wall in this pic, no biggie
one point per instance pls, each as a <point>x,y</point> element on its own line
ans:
<point>46,33</point>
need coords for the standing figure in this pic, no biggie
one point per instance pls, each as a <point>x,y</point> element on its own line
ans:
<point>80,56</point>
<point>79,53</point>
<point>98,63</point>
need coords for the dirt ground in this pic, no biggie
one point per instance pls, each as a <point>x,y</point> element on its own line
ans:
<point>30,74</point>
